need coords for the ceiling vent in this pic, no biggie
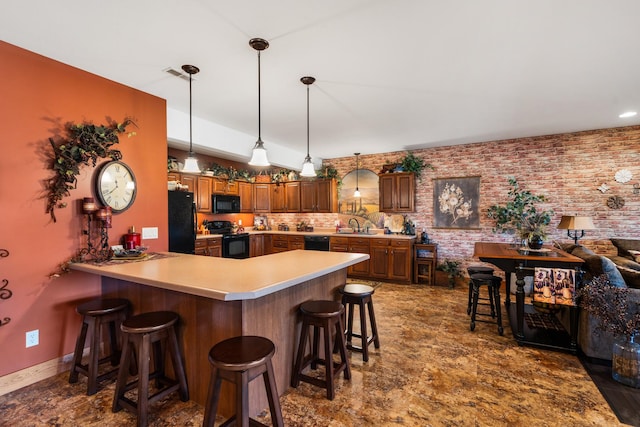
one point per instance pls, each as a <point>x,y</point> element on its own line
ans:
<point>176,73</point>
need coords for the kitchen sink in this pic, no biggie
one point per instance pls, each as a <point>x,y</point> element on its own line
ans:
<point>350,231</point>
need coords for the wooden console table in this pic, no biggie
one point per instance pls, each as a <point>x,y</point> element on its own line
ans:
<point>511,260</point>
<point>425,260</point>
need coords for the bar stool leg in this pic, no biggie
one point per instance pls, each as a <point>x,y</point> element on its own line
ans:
<point>328,360</point>
<point>374,327</point>
<point>77,355</point>
<point>242,398</point>
<point>214,397</point>
<point>496,300</point>
<point>178,366</point>
<point>363,332</point>
<point>474,305</point>
<point>272,395</point>
<point>304,333</point>
<point>470,297</point>
<point>343,348</point>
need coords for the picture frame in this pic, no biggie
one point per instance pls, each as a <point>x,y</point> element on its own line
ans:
<point>456,202</point>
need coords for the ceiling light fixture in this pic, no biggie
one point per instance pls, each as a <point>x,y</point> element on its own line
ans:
<point>191,164</point>
<point>627,114</point>
<point>357,192</point>
<point>307,166</point>
<point>259,156</point>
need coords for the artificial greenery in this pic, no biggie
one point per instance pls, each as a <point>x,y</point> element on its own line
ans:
<point>84,144</point>
<point>452,268</point>
<point>412,163</point>
<point>611,305</point>
<point>520,213</point>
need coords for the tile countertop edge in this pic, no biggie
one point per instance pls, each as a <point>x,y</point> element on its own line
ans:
<point>271,278</point>
<point>322,232</point>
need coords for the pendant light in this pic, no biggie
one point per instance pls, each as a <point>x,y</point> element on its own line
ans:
<point>307,166</point>
<point>191,164</point>
<point>357,192</point>
<point>259,156</point>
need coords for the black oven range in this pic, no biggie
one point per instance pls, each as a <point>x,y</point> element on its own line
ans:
<point>234,245</point>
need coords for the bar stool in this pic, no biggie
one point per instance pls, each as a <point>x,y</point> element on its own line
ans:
<point>326,315</point>
<point>240,360</point>
<point>140,333</point>
<point>478,269</point>
<point>96,314</point>
<point>493,284</point>
<point>358,294</point>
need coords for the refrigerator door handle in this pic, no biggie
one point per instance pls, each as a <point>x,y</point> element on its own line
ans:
<point>194,214</point>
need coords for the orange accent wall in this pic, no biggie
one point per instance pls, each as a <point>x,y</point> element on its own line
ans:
<point>39,96</point>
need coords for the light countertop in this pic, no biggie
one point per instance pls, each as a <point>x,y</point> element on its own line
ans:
<point>318,232</point>
<point>228,279</point>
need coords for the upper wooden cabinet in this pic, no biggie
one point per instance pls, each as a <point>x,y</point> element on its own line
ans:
<point>261,198</point>
<point>203,194</point>
<point>224,186</point>
<point>285,197</point>
<point>319,195</point>
<point>245,191</point>
<point>397,192</point>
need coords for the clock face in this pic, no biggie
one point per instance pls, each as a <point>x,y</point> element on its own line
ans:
<point>116,186</point>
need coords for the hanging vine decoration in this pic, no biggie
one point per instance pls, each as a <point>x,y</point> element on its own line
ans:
<point>4,292</point>
<point>85,144</point>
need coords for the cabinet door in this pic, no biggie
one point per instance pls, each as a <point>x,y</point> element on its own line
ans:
<point>308,196</point>
<point>268,244</point>
<point>173,176</point>
<point>245,191</point>
<point>189,181</point>
<point>203,194</point>
<point>278,198</point>
<point>400,260</point>
<point>215,247</point>
<point>405,193</point>
<point>360,245</point>
<point>379,261</point>
<point>387,192</point>
<point>201,247</point>
<point>256,245</point>
<point>326,196</point>
<point>292,196</point>
<point>261,198</point>
<point>338,244</point>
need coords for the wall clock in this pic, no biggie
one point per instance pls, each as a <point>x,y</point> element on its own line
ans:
<point>116,186</point>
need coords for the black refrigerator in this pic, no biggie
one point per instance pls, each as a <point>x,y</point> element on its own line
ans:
<point>182,222</point>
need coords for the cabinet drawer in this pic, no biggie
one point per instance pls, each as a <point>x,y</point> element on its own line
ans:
<point>380,242</point>
<point>360,241</point>
<point>201,243</point>
<point>401,243</point>
<point>339,240</point>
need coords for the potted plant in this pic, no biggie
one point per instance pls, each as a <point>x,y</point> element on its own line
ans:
<point>452,270</point>
<point>521,216</point>
<point>620,316</point>
<point>412,163</point>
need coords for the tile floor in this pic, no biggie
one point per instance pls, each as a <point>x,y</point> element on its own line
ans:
<point>430,371</point>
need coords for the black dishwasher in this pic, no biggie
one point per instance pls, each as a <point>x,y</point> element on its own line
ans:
<point>316,243</point>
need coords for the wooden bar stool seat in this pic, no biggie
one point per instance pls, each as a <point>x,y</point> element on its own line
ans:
<point>240,360</point>
<point>96,314</point>
<point>356,294</point>
<point>325,315</point>
<point>493,284</point>
<point>141,333</point>
<point>478,269</point>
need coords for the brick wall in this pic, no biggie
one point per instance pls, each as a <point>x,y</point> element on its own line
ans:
<point>566,168</point>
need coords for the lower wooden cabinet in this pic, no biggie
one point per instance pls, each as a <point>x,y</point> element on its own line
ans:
<point>359,245</point>
<point>211,246</point>
<point>256,245</point>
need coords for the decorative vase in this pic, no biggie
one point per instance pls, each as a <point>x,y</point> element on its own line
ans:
<point>625,366</point>
<point>535,242</point>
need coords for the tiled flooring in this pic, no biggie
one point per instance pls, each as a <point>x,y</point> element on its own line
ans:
<point>430,371</point>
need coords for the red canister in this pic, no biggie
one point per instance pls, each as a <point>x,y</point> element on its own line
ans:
<point>132,239</point>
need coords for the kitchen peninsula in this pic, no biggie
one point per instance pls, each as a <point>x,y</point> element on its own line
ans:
<point>218,298</point>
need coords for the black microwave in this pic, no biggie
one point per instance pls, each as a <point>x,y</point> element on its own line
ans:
<point>224,203</point>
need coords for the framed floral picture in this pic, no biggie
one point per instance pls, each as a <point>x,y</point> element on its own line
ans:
<point>456,202</point>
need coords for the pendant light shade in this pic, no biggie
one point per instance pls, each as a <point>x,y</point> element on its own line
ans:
<point>191,163</point>
<point>357,192</point>
<point>307,167</point>
<point>259,155</point>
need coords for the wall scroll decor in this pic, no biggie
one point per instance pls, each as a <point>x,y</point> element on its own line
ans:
<point>4,292</point>
<point>456,202</point>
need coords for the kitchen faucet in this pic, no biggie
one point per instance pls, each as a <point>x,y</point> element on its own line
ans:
<point>354,219</point>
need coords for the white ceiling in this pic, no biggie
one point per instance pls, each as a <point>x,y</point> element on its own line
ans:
<point>391,75</point>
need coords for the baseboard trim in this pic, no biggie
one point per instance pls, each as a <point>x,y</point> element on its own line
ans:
<point>33,374</point>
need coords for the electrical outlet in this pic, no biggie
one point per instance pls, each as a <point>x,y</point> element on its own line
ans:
<point>149,232</point>
<point>32,338</point>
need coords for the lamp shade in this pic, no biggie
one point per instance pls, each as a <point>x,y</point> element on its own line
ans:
<point>576,223</point>
<point>307,168</point>
<point>259,156</point>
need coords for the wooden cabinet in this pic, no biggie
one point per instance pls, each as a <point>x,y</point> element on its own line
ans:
<point>400,260</point>
<point>224,186</point>
<point>359,245</point>
<point>173,176</point>
<point>211,246</point>
<point>339,244</point>
<point>261,198</point>
<point>397,192</point>
<point>379,258</point>
<point>203,194</point>
<point>285,197</point>
<point>425,260</point>
<point>319,196</point>
<point>256,245</point>
<point>245,191</point>
<point>283,243</point>
<point>184,179</point>
<point>296,242</point>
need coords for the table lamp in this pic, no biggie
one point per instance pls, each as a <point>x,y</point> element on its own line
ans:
<point>575,224</point>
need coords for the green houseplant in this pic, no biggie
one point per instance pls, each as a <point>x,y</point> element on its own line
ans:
<point>452,269</point>
<point>520,215</point>
<point>412,163</point>
<point>84,144</point>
